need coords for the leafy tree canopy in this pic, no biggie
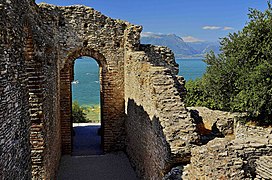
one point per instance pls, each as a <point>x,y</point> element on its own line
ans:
<point>240,77</point>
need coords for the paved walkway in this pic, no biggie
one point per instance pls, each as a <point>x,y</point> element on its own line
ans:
<point>87,163</point>
<point>96,167</point>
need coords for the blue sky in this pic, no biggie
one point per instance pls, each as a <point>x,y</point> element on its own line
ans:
<point>204,20</point>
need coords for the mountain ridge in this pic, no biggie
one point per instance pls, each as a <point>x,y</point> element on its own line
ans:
<point>180,48</point>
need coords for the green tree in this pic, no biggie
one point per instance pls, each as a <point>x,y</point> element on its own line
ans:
<point>240,77</point>
<point>78,114</point>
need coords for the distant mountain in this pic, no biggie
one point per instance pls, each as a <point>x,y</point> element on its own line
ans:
<point>172,41</point>
<point>205,47</point>
<point>178,46</point>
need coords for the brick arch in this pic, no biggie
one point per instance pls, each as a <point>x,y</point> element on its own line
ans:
<point>76,53</point>
<point>66,77</point>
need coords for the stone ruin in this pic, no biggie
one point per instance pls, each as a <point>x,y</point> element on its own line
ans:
<point>142,109</point>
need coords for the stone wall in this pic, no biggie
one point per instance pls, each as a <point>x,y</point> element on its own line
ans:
<point>239,156</point>
<point>142,107</point>
<point>211,119</point>
<point>68,33</point>
<point>52,38</point>
<point>115,45</point>
<point>82,31</point>
<point>29,78</point>
<point>14,117</point>
<point>159,129</point>
<point>43,86</point>
<point>264,167</point>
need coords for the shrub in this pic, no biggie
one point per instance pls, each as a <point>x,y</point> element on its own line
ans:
<point>78,114</point>
<point>240,77</point>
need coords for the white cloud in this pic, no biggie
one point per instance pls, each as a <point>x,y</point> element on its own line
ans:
<point>227,28</point>
<point>191,39</point>
<point>211,27</point>
<point>150,34</point>
<point>217,27</point>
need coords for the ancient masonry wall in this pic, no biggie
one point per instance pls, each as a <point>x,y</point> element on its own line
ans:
<point>68,33</point>
<point>159,130</point>
<point>82,31</point>
<point>43,87</point>
<point>141,98</point>
<point>30,133</point>
<point>247,154</point>
<point>14,117</point>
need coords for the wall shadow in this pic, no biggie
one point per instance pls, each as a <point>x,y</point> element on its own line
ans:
<point>86,140</point>
<point>145,143</point>
<point>205,134</point>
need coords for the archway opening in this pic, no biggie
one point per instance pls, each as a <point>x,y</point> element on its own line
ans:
<point>86,107</point>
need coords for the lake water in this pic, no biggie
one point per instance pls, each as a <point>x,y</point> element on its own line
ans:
<point>87,90</point>
<point>191,68</point>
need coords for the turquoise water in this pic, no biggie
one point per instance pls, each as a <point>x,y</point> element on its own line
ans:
<point>191,68</point>
<point>87,90</point>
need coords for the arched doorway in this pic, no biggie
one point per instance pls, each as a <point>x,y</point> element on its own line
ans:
<point>111,99</point>
<point>66,79</point>
<point>86,114</point>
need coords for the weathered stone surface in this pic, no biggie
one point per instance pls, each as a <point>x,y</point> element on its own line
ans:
<point>238,158</point>
<point>141,96</point>
<point>264,167</point>
<point>14,117</point>
<point>223,121</point>
<point>156,113</point>
<point>142,106</point>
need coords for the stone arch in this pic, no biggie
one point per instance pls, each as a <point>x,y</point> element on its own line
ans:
<point>66,77</point>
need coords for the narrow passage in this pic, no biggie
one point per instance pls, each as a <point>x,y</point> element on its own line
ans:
<point>87,161</point>
<point>114,166</point>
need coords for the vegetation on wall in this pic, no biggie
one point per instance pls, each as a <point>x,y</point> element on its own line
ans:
<point>240,77</point>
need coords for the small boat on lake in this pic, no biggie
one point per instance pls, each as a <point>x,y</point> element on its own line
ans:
<point>75,82</point>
